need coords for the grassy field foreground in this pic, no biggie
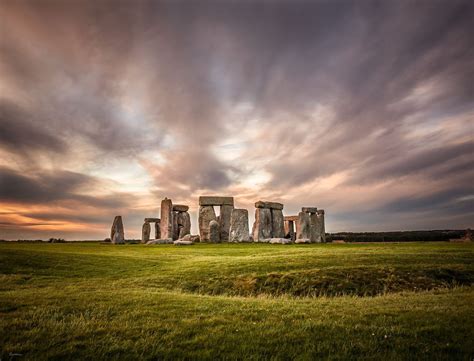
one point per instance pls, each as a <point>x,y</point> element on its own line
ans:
<point>235,301</point>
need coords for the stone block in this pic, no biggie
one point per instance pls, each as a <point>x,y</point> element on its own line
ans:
<point>262,227</point>
<point>309,209</point>
<point>216,201</point>
<point>166,222</point>
<point>278,226</point>
<point>151,220</point>
<point>180,208</point>
<point>303,230</point>
<point>117,234</point>
<point>214,232</point>
<point>224,222</point>
<point>206,215</point>
<point>146,229</point>
<point>271,205</point>
<point>239,226</point>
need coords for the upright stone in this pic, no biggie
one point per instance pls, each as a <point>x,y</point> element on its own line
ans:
<point>117,234</point>
<point>176,226</point>
<point>290,230</point>
<point>322,227</point>
<point>166,221</point>
<point>184,220</point>
<point>239,226</point>
<point>214,232</point>
<point>157,230</point>
<point>224,221</point>
<point>146,232</point>
<point>278,226</point>
<point>206,215</point>
<point>303,230</point>
<point>315,235</point>
<point>262,227</point>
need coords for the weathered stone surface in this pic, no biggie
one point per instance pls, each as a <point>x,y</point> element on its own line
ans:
<point>166,222</point>
<point>117,235</point>
<point>195,238</point>
<point>262,227</point>
<point>264,240</point>
<point>206,215</point>
<point>314,227</point>
<point>303,229</point>
<point>303,240</point>
<point>214,233</point>
<point>224,221</point>
<point>179,242</point>
<point>290,230</point>
<point>184,223</point>
<point>151,220</point>
<point>180,208</point>
<point>215,201</point>
<point>278,226</point>
<point>271,205</point>
<point>146,232</point>
<point>309,209</point>
<point>280,241</point>
<point>239,226</point>
<point>185,238</point>
<point>322,227</point>
<point>160,241</point>
<point>176,227</point>
<point>157,230</point>
<point>291,218</point>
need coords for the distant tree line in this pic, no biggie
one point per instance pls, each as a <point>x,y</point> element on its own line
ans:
<point>400,236</point>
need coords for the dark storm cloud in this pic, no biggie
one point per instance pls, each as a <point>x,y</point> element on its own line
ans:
<point>365,88</point>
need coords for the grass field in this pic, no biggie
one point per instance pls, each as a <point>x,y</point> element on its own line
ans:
<point>234,301</point>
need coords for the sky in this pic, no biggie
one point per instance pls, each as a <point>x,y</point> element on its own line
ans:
<point>362,108</point>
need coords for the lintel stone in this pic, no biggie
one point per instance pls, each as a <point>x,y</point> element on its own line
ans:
<point>216,201</point>
<point>180,208</point>
<point>151,220</point>
<point>309,209</point>
<point>271,205</point>
<point>291,218</point>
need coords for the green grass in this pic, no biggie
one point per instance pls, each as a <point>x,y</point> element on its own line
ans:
<point>231,301</point>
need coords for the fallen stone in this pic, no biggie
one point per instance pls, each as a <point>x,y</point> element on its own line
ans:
<point>117,235</point>
<point>271,205</point>
<point>160,241</point>
<point>166,222</point>
<point>264,240</point>
<point>206,215</point>
<point>303,240</point>
<point>239,226</point>
<point>224,221</point>
<point>146,232</point>
<point>182,243</point>
<point>216,201</point>
<point>262,227</point>
<point>309,209</point>
<point>195,238</point>
<point>280,241</point>
<point>180,208</point>
<point>214,234</point>
<point>278,226</point>
<point>151,220</point>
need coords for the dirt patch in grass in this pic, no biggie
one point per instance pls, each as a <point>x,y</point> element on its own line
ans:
<point>333,282</point>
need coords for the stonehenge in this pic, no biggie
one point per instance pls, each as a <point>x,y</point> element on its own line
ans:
<point>207,215</point>
<point>117,235</point>
<point>231,225</point>
<point>269,221</point>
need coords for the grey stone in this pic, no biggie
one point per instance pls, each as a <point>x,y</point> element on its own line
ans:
<point>157,230</point>
<point>303,226</point>
<point>315,236</point>
<point>290,230</point>
<point>216,201</point>
<point>303,240</point>
<point>309,209</point>
<point>184,223</point>
<point>180,208</point>
<point>182,243</point>
<point>146,232</point>
<point>271,205</point>
<point>262,227</point>
<point>239,226</point>
<point>166,222</point>
<point>291,218</point>
<point>224,221</point>
<point>278,226</point>
<point>195,238</point>
<point>322,227</point>
<point>117,235</point>
<point>151,220</point>
<point>176,226</point>
<point>160,241</point>
<point>214,234</point>
<point>280,241</point>
<point>206,215</point>
<point>264,240</point>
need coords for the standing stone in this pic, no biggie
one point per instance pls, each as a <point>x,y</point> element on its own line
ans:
<point>146,232</point>
<point>239,226</point>
<point>117,234</point>
<point>262,227</point>
<point>315,235</point>
<point>214,234</point>
<point>278,226</point>
<point>224,221</point>
<point>166,221</point>
<point>322,227</point>
<point>184,221</point>
<point>303,230</point>
<point>157,230</point>
<point>176,226</point>
<point>290,230</point>
<point>206,215</point>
